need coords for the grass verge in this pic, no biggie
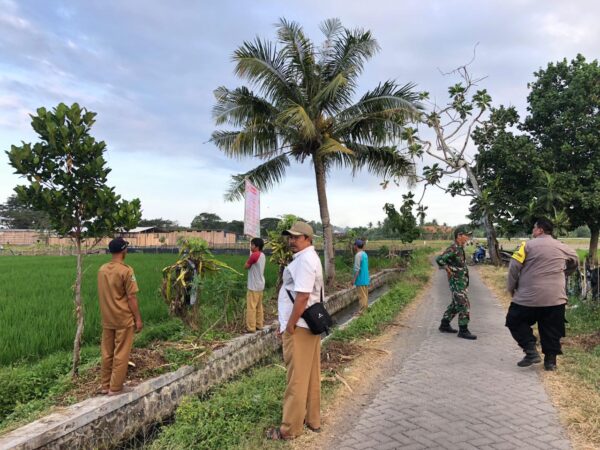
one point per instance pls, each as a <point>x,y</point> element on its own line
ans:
<point>235,415</point>
<point>575,387</point>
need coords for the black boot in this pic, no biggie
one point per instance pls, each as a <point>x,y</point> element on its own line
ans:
<point>465,333</point>
<point>531,356</point>
<point>550,362</point>
<point>445,327</point>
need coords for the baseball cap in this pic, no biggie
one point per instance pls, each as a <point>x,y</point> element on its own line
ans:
<point>299,229</point>
<point>359,242</point>
<point>117,245</point>
<point>462,229</point>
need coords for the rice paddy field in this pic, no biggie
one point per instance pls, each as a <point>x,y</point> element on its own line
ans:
<point>36,300</point>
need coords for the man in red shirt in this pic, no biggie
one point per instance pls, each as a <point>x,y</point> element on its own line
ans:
<point>256,285</point>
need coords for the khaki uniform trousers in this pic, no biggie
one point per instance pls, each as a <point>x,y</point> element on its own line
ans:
<point>116,346</point>
<point>363,298</point>
<point>302,399</point>
<point>255,317</point>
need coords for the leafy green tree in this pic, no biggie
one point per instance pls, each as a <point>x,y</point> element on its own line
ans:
<point>564,120</point>
<point>207,221</point>
<point>403,222</point>
<point>163,224</point>
<point>17,215</point>
<point>67,174</point>
<point>235,226</point>
<point>268,224</point>
<point>507,168</point>
<point>303,111</point>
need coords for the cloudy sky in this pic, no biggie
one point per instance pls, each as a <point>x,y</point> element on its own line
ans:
<point>148,68</point>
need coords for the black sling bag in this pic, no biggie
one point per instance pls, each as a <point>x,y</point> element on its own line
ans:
<point>316,316</point>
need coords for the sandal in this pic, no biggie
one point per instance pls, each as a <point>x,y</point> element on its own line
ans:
<point>314,430</point>
<point>274,434</point>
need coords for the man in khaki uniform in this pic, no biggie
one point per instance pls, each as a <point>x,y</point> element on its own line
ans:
<point>536,281</point>
<point>303,281</point>
<point>117,289</point>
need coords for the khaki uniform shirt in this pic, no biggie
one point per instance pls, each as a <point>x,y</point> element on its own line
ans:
<point>116,281</point>
<point>536,274</point>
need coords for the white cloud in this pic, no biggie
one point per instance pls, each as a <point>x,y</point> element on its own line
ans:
<point>148,68</point>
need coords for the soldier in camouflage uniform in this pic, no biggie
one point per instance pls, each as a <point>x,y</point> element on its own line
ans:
<point>454,260</point>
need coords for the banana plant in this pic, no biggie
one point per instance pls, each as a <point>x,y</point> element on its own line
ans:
<point>182,281</point>
<point>280,249</point>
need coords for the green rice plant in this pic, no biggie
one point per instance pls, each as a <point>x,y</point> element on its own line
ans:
<point>36,308</point>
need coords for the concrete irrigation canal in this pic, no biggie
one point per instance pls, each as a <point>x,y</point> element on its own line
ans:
<point>105,422</point>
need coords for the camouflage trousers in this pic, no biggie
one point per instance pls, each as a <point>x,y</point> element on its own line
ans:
<point>460,305</point>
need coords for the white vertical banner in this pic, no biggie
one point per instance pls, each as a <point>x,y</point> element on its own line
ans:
<point>251,210</point>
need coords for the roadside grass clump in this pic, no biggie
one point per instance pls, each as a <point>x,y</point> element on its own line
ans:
<point>27,389</point>
<point>230,415</point>
<point>236,415</point>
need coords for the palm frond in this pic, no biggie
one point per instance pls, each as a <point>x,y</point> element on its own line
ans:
<point>296,117</point>
<point>240,106</point>
<point>299,54</point>
<point>263,177</point>
<point>330,145</point>
<point>259,140</point>
<point>383,161</point>
<point>387,96</point>
<point>333,95</point>
<point>261,63</point>
<point>331,28</point>
<point>379,116</point>
<point>349,51</point>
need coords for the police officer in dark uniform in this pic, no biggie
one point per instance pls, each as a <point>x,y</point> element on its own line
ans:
<point>454,260</point>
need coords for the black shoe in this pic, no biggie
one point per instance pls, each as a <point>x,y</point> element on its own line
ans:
<point>445,327</point>
<point>531,356</point>
<point>465,333</point>
<point>550,362</point>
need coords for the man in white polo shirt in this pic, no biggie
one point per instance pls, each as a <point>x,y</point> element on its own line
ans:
<point>303,278</point>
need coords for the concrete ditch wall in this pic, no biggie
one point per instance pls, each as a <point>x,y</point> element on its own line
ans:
<point>103,422</point>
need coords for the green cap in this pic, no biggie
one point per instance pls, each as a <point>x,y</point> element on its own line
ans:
<point>462,229</point>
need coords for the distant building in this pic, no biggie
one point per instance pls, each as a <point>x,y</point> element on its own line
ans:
<point>137,237</point>
<point>436,232</point>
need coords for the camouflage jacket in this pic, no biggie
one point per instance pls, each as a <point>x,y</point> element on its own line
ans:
<point>454,260</point>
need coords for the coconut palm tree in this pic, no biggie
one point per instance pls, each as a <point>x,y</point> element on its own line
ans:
<point>303,111</point>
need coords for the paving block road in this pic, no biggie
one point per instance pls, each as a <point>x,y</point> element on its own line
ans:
<point>443,392</point>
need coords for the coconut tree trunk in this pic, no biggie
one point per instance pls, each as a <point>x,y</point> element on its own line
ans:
<point>327,229</point>
<point>78,311</point>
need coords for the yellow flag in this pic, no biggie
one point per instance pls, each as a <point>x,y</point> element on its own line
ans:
<point>520,254</point>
